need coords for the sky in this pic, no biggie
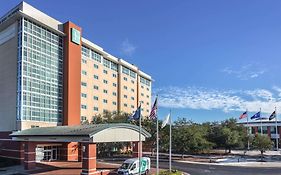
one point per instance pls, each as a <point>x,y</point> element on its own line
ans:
<point>210,60</point>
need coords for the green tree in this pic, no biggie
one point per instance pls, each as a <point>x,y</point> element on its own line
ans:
<point>262,143</point>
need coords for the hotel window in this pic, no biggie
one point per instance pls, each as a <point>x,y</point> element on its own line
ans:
<point>104,101</point>
<point>96,109</point>
<point>125,104</point>
<point>126,79</point>
<point>147,103</point>
<point>96,87</point>
<point>272,129</point>
<point>105,81</point>
<point>132,81</point>
<point>85,51</point>
<point>96,66</point>
<point>105,91</point>
<point>114,93</point>
<point>125,87</point>
<point>83,118</point>
<point>147,96</point>
<point>114,75</point>
<point>142,94</point>
<point>114,84</point>
<point>83,84</point>
<point>84,72</point>
<point>133,74</point>
<point>132,98</point>
<point>84,95</point>
<point>96,56</point>
<point>96,98</point>
<point>132,106</point>
<point>106,63</point>
<point>125,70</point>
<point>147,89</point>
<point>133,90</point>
<point>142,87</point>
<point>147,110</point>
<point>105,71</point>
<point>114,103</point>
<point>114,66</point>
<point>84,61</point>
<point>96,77</point>
<point>125,96</point>
<point>84,106</point>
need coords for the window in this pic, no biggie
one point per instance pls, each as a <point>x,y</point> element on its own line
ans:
<point>105,91</point>
<point>83,118</point>
<point>105,81</point>
<point>83,84</point>
<point>96,87</point>
<point>142,87</point>
<point>96,77</point>
<point>132,106</point>
<point>114,103</point>
<point>125,96</point>
<point>132,98</point>
<point>133,74</point>
<point>105,71</point>
<point>96,109</point>
<point>96,56</point>
<point>114,66</point>
<point>114,84</point>
<point>133,90</point>
<point>114,75</point>
<point>132,81</point>
<point>84,72</point>
<point>83,95</point>
<point>84,106</point>
<point>96,66</point>
<point>85,51</point>
<point>142,94</point>
<point>147,96</point>
<point>125,87</point>
<point>104,101</point>
<point>147,89</point>
<point>96,98</point>
<point>126,79</point>
<point>125,70</point>
<point>106,63</point>
<point>125,104</point>
<point>84,61</point>
<point>147,103</point>
<point>114,93</point>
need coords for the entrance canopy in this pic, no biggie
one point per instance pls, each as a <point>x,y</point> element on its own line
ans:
<point>99,133</point>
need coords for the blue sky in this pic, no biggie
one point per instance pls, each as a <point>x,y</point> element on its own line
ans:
<point>210,59</point>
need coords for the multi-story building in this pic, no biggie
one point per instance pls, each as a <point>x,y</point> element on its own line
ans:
<point>50,75</point>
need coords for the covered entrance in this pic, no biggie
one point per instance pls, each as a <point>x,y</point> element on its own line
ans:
<point>43,143</point>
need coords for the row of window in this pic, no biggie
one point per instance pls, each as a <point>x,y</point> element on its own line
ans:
<point>145,81</point>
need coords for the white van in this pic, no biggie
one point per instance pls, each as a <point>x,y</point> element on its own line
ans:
<point>131,166</point>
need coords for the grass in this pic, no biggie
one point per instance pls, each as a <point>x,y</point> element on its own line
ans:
<point>174,172</point>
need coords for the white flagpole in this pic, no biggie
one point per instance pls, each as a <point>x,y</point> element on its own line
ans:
<point>140,143</point>
<point>248,129</point>
<point>157,147</point>
<point>276,132</point>
<point>261,122</point>
<point>170,153</point>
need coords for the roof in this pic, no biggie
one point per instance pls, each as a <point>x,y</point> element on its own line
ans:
<point>114,132</point>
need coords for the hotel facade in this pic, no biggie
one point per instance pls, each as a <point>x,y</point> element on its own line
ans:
<point>51,76</point>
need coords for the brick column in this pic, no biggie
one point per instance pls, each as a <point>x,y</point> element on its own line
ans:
<point>256,130</point>
<point>89,162</point>
<point>136,146</point>
<point>268,131</point>
<point>29,155</point>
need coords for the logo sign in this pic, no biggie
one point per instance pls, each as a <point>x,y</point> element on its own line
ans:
<point>143,165</point>
<point>75,36</point>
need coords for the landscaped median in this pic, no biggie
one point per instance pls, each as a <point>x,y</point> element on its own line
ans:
<point>174,172</point>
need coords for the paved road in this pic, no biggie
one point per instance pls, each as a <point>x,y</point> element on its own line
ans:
<point>199,169</point>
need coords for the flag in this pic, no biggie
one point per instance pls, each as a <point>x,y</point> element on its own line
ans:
<point>136,115</point>
<point>166,121</point>
<point>257,115</point>
<point>153,113</point>
<point>272,116</point>
<point>244,115</point>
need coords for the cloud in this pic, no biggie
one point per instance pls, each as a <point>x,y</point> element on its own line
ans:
<point>127,48</point>
<point>225,100</point>
<point>245,72</point>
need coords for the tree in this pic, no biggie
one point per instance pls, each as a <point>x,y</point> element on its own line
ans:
<point>262,143</point>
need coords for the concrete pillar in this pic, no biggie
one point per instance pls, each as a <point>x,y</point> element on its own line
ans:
<point>136,146</point>
<point>29,155</point>
<point>89,162</point>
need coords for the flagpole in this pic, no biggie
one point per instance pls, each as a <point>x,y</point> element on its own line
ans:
<point>248,129</point>
<point>170,151</point>
<point>157,147</point>
<point>261,122</point>
<point>140,143</point>
<point>276,132</point>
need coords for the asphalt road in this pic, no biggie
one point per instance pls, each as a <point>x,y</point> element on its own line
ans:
<point>199,169</point>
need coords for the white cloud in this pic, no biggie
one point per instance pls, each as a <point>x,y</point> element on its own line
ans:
<point>245,72</point>
<point>127,48</point>
<point>225,100</point>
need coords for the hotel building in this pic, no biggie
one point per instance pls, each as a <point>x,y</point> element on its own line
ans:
<point>51,76</point>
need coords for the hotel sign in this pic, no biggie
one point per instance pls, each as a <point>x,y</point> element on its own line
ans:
<point>75,36</point>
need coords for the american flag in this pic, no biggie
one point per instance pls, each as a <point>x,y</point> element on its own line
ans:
<point>244,115</point>
<point>153,113</point>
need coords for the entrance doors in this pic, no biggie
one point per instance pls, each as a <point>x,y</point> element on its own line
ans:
<point>47,153</point>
